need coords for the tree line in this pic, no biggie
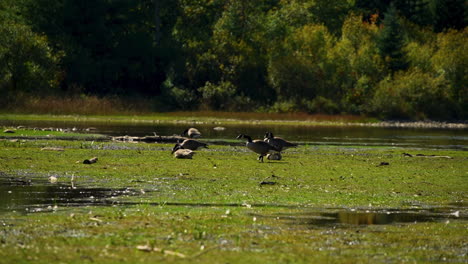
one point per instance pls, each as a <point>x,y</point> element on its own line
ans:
<point>386,58</point>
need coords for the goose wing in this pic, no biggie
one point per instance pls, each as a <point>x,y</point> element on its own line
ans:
<point>261,147</point>
<point>193,144</point>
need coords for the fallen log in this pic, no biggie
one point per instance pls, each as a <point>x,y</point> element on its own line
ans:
<point>150,139</point>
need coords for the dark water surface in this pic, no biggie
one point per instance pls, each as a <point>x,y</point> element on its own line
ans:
<point>326,135</point>
<point>326,217</point>
<point>26,195</point>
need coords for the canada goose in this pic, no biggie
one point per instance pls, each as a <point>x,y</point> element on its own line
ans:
<point>278,142</point>
<point>258,146</point>
<point>191,133</point>
<point>181,153</point>
<point>192,144</point>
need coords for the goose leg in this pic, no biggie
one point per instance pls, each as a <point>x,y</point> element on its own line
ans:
<point>260,158</point>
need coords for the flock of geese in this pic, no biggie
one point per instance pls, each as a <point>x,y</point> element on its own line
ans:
<point>270,146</point>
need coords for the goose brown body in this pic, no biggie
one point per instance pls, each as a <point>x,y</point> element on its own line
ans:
<point>192,144</point>
<point>191,133</point>
<point>278,142</point>
<point>258,146</point>
<point>181,153</point>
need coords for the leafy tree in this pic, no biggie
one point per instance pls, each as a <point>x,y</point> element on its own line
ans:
<point>451,61</point>
<point>449,14</point>
<point>331,13</point>
<point>240,48</point>
<point>413,94</point>
<point>27,63</point>
<point>356,63</point>
<point>391,41</point>
<point>112,47</point>
<point>193,30</point>
<point>301,72</point>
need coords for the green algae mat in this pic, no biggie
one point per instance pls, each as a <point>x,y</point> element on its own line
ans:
<point>319,204</point>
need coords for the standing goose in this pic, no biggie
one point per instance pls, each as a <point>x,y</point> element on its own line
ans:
<point>278,142</point>
<point>258,146</point>
<point>191,133</point>
<point>192,144</point>
<point>181,153</point>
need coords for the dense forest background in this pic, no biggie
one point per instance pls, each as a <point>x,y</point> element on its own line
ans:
<point>390,59</point>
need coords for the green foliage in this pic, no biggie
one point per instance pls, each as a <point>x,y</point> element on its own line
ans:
<point>27,63</point>
<point>323,105</point>
<point>183,98</point>
<point>302,71</point>
<point>391,41</point>
<point>275,55</point>
<point>214,208</point>
<point>449,14</point>
<point>223,96</point>
<point>451,60</point>
<point>413,94</point>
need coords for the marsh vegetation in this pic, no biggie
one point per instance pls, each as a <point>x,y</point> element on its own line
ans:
<point>320,203</point>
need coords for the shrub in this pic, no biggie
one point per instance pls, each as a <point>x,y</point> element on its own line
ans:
<point>300,69</point>
<point>322,105</point>
<point>413,94</point>
<point>223,96</point>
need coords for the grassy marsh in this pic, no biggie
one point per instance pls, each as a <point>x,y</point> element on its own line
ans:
<point>215,208</point>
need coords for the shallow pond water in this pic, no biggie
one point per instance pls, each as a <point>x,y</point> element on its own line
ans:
<point>28,195</point>
<point>346,217</point>
<point>34,195</point>
<point>319,135</point>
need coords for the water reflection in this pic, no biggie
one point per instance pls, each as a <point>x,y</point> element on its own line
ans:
<point>27,195</point>
<point>34,195</point>
<point>332,135</point>
<point>378,217</point>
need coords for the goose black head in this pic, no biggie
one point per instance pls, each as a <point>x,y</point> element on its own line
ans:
<point>268,135</point>
<point>176,147</point>
<point>249,139</point>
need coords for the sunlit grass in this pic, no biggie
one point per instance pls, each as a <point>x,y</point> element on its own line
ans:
<point>227,180</point>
